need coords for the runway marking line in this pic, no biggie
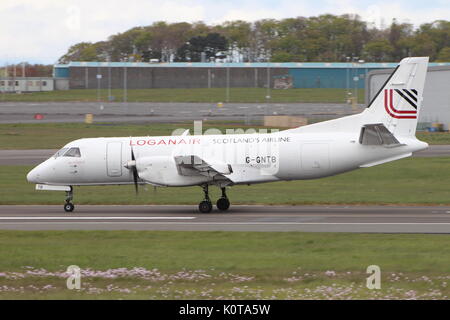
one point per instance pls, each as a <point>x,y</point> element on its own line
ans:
<point>250,223</point>
<point>97,218</point>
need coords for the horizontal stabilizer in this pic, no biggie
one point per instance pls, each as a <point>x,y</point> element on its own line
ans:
<point>375,163</point>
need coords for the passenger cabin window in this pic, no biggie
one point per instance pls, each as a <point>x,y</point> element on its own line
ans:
<point>60,152</point>
<point>73,152</point>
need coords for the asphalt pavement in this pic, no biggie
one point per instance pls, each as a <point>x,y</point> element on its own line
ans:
<point>365,219</point>
<point>150,112</point>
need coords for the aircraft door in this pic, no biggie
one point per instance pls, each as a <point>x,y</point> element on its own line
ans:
<point>114,159</point>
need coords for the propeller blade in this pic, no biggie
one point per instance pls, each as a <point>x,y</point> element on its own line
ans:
<point>135,178</point>
<point>135,172</point>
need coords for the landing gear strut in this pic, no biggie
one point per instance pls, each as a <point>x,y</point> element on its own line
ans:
<point>68,206</point>
<point>205,206</point>
<point>223,203</point>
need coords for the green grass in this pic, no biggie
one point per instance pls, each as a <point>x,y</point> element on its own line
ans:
<point>267,260</point>
<point>55,135</point>
<point>408,181</point>
<point>171,251</point>
<point>435,138</point>
<point>213,95</point>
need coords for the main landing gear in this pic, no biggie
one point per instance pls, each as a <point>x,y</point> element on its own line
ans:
<point>68,206</point>
<point>206,206</point>
<point>223,203</point>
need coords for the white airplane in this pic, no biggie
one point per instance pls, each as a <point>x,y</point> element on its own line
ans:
<point>383,132</point>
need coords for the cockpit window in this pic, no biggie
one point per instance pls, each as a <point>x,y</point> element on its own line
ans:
<point>60,152</point>
<point>73,152</point>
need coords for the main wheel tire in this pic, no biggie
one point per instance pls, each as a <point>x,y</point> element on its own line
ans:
<point>205,206</point>
<point>68,207</point>
<point>223,204</point>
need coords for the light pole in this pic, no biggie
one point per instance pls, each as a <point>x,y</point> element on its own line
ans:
<point>125,81</point>
<point>5,82</point>
<point>360,62</point>
<point>8,78</point>
<point>125,98</point>
<point>355,78</point>
<point>347,93</point>
<point>99,77</point>
<point>228,83</point>
<point>268,81</point>
<point>14,77</point>
<point>109,79</point>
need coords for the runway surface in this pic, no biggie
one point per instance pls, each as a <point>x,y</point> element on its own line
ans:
<point>34,157</point>
<point>25,157</point>
<point>366,219</point>
<point>147,112</point>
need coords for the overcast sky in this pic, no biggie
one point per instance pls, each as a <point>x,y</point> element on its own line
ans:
<point>40,31</point>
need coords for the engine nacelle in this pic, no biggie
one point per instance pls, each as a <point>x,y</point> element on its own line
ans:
<point>163,171</point>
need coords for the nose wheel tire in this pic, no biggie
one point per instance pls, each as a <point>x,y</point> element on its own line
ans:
<point>68,207</point>
<point>205,206</point>
<point>223,204</point>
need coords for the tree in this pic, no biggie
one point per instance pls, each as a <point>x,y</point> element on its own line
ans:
<point>378,50</point>
<point>431,38</point>
<point>211,44</point>
<point>282,56</point>
<point>165,39</point>
<point>444,55</point>
<point>142,44</point>
<point>83,51</point>
<point>28,70</point>
<point>397,32</point>
<point>320,38</point>
<point>424,46</point>
<point>123,44</point>
<point>238,33</point>
<point>265,32</point>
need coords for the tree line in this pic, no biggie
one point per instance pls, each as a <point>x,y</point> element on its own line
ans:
<point>25,69</point>
<point>315,39</point>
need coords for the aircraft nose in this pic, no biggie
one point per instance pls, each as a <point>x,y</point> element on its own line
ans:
<point>33,176</point>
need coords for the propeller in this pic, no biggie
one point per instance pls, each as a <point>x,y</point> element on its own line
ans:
<point>131,165</point>
<point>135,172</point>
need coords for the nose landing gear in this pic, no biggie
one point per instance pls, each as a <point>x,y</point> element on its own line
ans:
<point>206,206</point>
<point>68,206</point>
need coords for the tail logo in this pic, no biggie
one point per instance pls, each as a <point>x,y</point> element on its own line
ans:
<point>409,95</point>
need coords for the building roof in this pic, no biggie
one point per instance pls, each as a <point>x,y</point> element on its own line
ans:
<point>369,65</point>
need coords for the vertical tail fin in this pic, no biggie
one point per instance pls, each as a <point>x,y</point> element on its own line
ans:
<point>397,104</point>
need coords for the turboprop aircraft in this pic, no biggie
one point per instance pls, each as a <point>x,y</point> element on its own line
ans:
<point>383,132</point>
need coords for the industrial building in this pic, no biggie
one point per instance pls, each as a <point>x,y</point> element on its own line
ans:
<point>141,75</point>
<point>26,84</point>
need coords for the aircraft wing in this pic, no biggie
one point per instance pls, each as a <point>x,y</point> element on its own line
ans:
<point>192,165</point>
